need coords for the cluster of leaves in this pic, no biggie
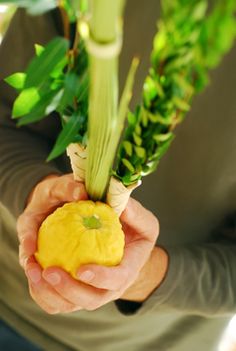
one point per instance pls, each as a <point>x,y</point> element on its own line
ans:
<point>55,80</point>
<point>192,38</point>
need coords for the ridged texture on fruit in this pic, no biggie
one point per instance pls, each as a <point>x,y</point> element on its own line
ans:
<point>64,240</point>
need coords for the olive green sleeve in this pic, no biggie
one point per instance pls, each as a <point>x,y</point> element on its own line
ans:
<point>200,280</point>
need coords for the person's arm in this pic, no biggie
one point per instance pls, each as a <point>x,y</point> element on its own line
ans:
<point>23,151</point>
<point>197,279</point>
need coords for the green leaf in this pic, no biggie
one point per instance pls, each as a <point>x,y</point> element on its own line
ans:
<point>131,118</point>
<point>149,91</point>
<point>158,118</point>
<point>42,66</point>
<point>44,106</point>
<point>183,83</point>
<point>199,10</point>
<point>162,148</point>
<point>24,103</point>
<point>128,165</point>
<point>140,152</point>
<point>162,137</point>
<point>72,85</point>
<point>58,70</point>
<point>66,136</point>
<point>144,117</point>
<point>128,147</point>
<point>181,104</point>
<point>138,129</point>
<point>16,80</point>
<point>39,49</point>
<point>137,139</point>
<point>52,106</point>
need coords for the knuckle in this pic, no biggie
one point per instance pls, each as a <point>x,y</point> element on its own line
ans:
<point>92,307</point>
<point>39,301</point>
<point>50,310</point>
<point>93,304</point>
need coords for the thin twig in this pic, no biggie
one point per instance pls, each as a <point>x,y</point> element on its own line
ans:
<point>65,20</point>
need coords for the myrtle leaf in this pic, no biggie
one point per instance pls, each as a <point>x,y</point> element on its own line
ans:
<point>128,147</point>
<point>42,66</point>
<point>128,165</point>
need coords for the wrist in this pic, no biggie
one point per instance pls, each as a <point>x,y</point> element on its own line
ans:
<point>150,277</point>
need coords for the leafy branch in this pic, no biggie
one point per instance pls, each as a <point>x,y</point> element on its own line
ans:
<point>192,38</point>
<point>189,42</point>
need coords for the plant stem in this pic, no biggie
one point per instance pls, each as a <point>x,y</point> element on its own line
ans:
<point>65,21</point>
<point>103,97</point>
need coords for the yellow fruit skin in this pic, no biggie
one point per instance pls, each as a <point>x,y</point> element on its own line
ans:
<point>64,240</point>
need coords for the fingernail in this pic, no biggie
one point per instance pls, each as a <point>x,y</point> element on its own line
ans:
<point>53,278</point>
<point>76,193</point>
<point>86,276</point>
<point>34,275</point>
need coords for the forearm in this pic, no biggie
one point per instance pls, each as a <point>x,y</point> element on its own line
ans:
<point>199,280</point>
<point>150,277</point>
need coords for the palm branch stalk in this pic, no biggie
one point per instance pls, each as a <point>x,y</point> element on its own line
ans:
<point>192,38</point>
<point>103,46</point>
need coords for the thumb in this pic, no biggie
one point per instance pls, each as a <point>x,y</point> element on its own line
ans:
<point>141,220</point>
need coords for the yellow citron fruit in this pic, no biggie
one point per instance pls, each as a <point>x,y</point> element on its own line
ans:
<point>80,233</point>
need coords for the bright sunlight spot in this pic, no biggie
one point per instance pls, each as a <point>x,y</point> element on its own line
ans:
<point>228,342</point>
<point>3,8</point>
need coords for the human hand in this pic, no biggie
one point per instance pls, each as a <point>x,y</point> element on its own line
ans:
<point>56,291</point>
<point>52,192</point>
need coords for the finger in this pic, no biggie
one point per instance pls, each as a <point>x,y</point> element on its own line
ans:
<point>26,249</point>
<point>44,295</point>
<point>55,192</point>
<point>141,230</point>
<point>50,307</point>
<point>29,222</point>
<point>142,221</point>
<point>121,276</point>
<point>28,226</point>
<point>74,291</point>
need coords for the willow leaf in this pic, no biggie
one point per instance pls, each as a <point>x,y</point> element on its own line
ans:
<point>67,135</point>
<point>16,80</point>
<point>41,109</point>
<point>25,102</point>
<point>42,66</point>
<point>39,49</point>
